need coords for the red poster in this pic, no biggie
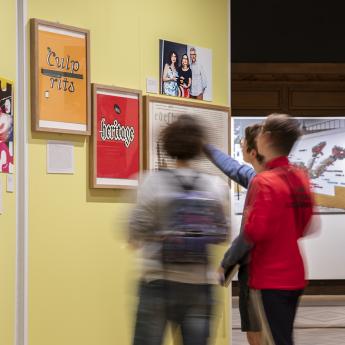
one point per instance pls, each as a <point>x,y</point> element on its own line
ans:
<point>117,136</point>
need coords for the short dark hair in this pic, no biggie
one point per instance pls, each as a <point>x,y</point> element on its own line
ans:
<point>250,134</point>
<point>184,138</point>
<point>284,131</point>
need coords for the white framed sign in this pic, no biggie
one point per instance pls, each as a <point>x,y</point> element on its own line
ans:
<point>320,151</point>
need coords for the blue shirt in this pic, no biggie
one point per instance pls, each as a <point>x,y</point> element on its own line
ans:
<point>243,175</point>
<point>240,173</point>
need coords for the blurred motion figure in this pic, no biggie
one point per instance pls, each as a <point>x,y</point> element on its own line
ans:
<point>179,212</point>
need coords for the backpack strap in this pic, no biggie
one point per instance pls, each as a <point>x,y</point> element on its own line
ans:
<point>188,185</point>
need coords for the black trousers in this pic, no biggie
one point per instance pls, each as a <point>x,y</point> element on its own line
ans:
<point>280,308</point>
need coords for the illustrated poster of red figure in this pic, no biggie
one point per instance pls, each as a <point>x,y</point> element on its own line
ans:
<point>118,139</point>
<point>6,126</point>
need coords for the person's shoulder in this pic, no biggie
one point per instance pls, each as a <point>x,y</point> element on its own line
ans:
<point>209,178</point>
<point>299,171</point>
<point>302,174</point>
<point>213,183</point>
<point>263,176</point>
<point>150,177</point>
<point>263,179</point>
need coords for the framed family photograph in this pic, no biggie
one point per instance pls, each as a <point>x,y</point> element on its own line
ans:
<point>116,145</point>
<point>185,70</point>
<point>320,151</point>
<point>160,112</point>
<point>60,78</point>
<point>6,126</point>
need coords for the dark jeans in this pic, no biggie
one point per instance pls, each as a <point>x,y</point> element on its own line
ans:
<point>280,308</point>
<point>186,305</point>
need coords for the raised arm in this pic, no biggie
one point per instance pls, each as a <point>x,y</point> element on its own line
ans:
<point>240,173</point>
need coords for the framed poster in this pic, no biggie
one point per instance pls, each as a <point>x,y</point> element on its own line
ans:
<point>160,112</point>
<point>116,149</point>
<point>60,78</point>
<point>6,126</point>
<point>320,151</point>
<point>185,70</point>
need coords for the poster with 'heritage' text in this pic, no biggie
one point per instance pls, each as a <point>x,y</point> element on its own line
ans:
<point>116,150</point>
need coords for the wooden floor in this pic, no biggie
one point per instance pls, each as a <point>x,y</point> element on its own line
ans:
<point>309,336</point>
<point>320,321</point>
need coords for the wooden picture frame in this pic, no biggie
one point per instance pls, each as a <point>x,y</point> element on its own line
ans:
<point>116,147</point>
<point>215,118</point>
<point>60,78</point>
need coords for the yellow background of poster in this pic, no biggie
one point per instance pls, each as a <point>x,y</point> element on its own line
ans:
<point>62,106</point>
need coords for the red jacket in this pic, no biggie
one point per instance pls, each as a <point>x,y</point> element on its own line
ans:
<point>279,208</point>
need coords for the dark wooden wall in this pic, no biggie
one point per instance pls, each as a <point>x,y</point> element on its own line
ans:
<point>299,89</point>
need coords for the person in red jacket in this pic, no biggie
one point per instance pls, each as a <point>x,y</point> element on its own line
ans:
<point>278,212</point>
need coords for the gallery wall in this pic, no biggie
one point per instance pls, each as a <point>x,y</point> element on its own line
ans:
<point>8,200</point>
<point>81,273</point>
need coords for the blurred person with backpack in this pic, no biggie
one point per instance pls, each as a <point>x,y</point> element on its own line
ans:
<point>179,212</point>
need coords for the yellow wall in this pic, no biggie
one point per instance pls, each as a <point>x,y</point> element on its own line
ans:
<point>8,218</point>
<point>80,273</point>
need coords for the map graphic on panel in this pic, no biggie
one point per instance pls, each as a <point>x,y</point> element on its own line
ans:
<point>321,151</point>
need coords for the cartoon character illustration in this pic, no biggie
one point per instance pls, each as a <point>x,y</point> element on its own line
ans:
<point>6,127</point>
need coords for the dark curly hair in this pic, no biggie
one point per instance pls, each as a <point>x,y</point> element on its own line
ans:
<point>250,134</point>
<point>184,138</point>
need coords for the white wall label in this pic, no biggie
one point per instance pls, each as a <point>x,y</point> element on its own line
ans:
<point>152,85</point>
<point>60,157</point>
<point>10,183</point>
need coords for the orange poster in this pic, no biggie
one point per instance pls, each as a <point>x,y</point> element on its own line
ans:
<point>61,78</point>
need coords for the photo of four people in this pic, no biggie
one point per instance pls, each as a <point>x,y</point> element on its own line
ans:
<point>185,71</point>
